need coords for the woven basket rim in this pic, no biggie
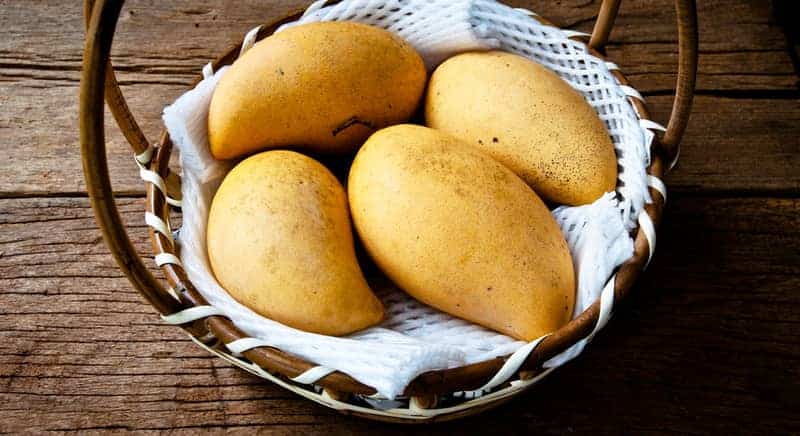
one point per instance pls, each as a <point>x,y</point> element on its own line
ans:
<point>214,331</point>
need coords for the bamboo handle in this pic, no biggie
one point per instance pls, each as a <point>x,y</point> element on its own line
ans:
<point>681,108</point>
<point>95,167</point>
<point>686,15</point>
<point>116,101</point>
<point>605,22</point>
<point>686,11</point>
<point>98,81</point>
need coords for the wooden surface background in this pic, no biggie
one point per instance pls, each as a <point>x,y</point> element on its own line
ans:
<point>710,345</point>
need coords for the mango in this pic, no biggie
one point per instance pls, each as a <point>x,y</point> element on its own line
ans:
<point>280,242</point>
<point>322,87</point>
<point>459,231</point>
<point>529,119</point>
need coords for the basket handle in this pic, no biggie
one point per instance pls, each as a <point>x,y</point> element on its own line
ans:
<point>686,14</point>
<point>98,82</point>
<point>116,101</point>
<point>95,71</point>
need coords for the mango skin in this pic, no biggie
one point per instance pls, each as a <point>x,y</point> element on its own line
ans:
<point>323,87</point>
<point>280,242</point>
<point>528,118</point>
<point>460,232</point>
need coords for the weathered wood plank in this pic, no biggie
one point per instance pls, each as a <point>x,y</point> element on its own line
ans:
<point>160,42</point>
<point>708,345</point>
<point>741,45</point>
<point>736,145</point>
<point>160,46</point>
<point>709,348</point>
<point>731,145</point>
<point>750,54</point>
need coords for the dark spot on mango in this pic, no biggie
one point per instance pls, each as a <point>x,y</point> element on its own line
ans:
<point>352,121</point>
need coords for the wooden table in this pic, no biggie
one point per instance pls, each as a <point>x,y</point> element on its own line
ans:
<point>711,343</point>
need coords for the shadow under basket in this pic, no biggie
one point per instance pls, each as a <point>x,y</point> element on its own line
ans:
<point>432,396</point>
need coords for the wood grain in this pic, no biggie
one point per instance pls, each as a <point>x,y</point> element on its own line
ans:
<point>735,145</point>
<point>708,346</point>
<point>161,45</point>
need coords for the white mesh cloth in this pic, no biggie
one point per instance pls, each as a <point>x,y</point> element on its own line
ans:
<point>416,338</point>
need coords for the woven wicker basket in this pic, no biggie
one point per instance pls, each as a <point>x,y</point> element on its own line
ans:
<point>430,396</point>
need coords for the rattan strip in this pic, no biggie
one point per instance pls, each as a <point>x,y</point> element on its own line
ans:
<point>606,307</point>
<point>511,366</point>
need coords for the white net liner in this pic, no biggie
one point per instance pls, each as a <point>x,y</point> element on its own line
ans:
<point>416,338</point>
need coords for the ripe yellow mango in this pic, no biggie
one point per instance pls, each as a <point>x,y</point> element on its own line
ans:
<point>461,232</point>
<point>279,241</point>
<point>528,118</point>
<point>323,87</point>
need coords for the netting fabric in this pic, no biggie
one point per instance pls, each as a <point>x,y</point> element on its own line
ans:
<point>416,338</point>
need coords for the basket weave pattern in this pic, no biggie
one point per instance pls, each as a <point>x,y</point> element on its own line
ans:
<point>500,378</point>
<point>416,338</point>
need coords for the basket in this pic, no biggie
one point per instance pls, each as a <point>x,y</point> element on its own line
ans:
<point>432,396</point>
